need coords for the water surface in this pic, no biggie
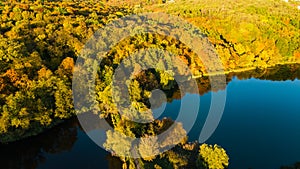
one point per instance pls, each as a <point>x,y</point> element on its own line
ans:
<point>260,128</point>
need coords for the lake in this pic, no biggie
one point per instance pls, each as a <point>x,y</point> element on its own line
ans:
<point>259,128</point>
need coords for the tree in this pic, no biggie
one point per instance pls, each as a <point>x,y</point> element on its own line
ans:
<point>118,143</point>
<point>148,147</point>
<point>212,157</point>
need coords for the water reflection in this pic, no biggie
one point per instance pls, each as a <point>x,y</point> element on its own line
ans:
<point>276,73</point>
<point>29,153</point>
<point>43,151</point>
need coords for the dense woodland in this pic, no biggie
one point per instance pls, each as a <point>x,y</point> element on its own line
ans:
<point>41,40</point>
<point>39,45</point>
<point>245,33</point>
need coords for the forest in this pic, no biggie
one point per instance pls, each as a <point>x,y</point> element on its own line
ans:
<point>41,40</point>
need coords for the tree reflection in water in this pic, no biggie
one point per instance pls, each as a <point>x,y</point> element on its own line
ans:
<point>28,154</point>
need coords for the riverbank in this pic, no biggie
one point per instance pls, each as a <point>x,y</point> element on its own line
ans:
<point>241,70</point>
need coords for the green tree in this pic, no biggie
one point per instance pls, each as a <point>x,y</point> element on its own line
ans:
<point>212,157</point>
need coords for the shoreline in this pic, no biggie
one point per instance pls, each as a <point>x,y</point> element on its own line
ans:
<point>33,133</point>
<point>239,70</point>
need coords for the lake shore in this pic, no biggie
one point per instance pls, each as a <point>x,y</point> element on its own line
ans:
<point>239,70</point>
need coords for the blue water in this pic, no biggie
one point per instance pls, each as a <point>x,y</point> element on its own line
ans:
<point>84,154</point>
<point>259,129</point>
<point>260,126</point>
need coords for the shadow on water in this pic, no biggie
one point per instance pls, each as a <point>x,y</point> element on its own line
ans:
<point>29,153</point>
<point>63,146</point>
<point>68,146</point>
